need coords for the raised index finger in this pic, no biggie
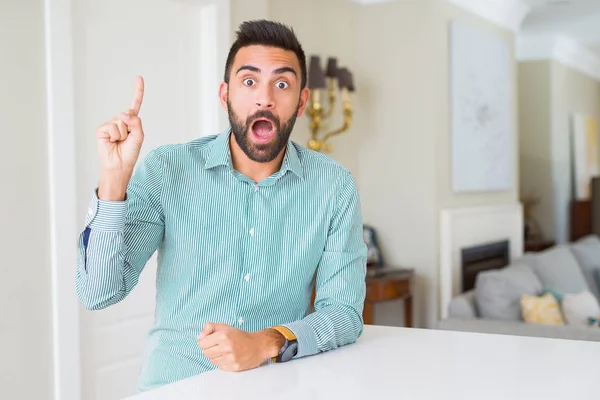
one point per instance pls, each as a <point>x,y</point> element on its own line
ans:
<point>138,96</point>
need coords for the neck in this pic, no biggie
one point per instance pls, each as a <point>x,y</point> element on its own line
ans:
<point>254,170</point>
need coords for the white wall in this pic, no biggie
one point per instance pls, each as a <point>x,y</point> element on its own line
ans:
<point>397,144</point>
<point>571,92</point>
<point>551,92</point>
<point>243,10</point>
<point>535,110</point>
<point>403,117</point>
<point>444,12</point>
<point>25,293</point>
<point>325,28</point>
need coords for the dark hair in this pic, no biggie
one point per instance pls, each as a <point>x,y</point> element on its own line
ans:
<point>266,33</point>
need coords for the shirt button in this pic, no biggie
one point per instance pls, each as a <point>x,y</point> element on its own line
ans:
<point>240,321</point>
<point>252,232</point>
<point>247,277</point>
<point>256,188</point>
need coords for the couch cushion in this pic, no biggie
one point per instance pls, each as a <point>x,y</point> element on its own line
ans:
<point>558,269</point>
<point>498,292</point>
<point>571,332</point>
<point>578,307</point>
<point>463,306</point>
<point>587,252</point>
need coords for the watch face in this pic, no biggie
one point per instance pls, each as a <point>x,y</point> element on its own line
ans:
<point>290,352</point>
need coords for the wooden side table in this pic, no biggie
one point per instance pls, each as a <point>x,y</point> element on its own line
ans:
<point>391,284</point>
<point>538,245</point>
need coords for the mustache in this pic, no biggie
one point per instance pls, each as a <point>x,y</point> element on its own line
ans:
<point>262,114</point>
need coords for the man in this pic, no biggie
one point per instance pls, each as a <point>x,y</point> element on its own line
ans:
<point>244,223</point>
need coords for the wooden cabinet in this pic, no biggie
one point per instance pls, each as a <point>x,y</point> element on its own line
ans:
<point>393,284</point>
<point>580,219</point>
<point>535,246</point>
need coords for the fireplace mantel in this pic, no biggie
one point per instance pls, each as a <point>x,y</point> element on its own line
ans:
<point>466,227</point>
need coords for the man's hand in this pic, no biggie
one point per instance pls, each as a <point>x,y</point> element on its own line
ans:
<point>119,144</point>
<point>232,349</point>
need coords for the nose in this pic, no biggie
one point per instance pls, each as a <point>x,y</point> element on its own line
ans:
<point>264,99</point>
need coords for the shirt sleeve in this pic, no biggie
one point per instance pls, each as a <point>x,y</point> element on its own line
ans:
<point>119,237</point>
<point>340,281</point>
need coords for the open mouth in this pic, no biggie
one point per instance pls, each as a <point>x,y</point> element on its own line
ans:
<point>262,130</point>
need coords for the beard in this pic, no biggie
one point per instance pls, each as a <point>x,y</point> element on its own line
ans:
<point>266,152</point>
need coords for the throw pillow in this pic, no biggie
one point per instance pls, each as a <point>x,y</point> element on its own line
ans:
<point>579,307</point>
<point>498,292</point>
<point>557,295</point>
<point>558,268</point>
<point>541,310</point>
<point>587,252</point>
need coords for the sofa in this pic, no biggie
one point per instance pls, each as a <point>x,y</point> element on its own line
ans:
<point>569,272</point>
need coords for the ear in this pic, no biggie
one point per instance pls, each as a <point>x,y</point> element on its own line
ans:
<point>223,89</point>
<point>304,95</point>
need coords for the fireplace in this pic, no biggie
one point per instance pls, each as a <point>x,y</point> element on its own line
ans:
<point>483,257</point>
<point>469,229</point>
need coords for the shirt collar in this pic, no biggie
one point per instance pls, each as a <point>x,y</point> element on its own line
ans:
<point>220,155</point>
<point>291,161</point>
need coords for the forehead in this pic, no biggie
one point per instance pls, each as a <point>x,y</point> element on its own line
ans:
<point>265,58</point>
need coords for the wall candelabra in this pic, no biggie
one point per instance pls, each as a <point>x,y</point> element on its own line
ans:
<point>334,82</point>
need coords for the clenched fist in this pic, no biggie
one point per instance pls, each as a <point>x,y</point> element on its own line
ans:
<point>119,144</point>
<point>232,349</point>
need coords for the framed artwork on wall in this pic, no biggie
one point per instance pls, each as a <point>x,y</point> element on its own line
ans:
<point>481,93</point>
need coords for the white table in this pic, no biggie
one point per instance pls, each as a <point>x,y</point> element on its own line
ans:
<point>415,364</point>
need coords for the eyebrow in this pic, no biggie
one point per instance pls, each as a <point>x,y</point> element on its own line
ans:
<point>275,72</point>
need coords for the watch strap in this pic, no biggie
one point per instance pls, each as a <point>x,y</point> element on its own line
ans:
<point>288,334</point>
<point>290,340</point>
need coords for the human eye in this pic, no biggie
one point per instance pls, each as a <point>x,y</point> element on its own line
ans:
<point>249,82</point>
<point>282,85</point>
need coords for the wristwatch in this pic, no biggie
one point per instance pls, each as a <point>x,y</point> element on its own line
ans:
<point>289,348</point>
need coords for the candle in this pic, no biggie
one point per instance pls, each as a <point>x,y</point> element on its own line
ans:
<point>316,77</point>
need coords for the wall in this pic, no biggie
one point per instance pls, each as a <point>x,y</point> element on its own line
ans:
<point>377,140</point>
<point>397,168</point>
<point>405,157</point>
<point>339,34</point>
<point>335,37</point>
<point>325,28</point>
<point>535,153</point>
<point>444,13</point>
<point>550,93</point>
<point>399,145</point>
<point>572,92</point>
<point>25,293</point>
<point>243,10</point>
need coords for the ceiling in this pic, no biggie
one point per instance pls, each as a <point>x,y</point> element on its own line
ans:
<point>577,19</point>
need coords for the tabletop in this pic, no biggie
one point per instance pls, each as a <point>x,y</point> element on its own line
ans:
<point>416,364</point>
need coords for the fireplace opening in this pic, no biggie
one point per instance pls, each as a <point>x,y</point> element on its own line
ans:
<point>482,257</point>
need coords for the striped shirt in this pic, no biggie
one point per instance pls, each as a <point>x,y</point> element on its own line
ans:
<point>229,251</point>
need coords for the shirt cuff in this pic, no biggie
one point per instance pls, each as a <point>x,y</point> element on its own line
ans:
<point>107,216</point>
<point>307,341</point>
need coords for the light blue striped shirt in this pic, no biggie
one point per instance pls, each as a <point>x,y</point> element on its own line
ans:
<point>229,251</point>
